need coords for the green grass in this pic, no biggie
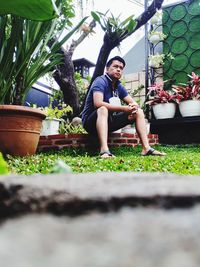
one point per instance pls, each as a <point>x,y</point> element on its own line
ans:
<point>180,160</point>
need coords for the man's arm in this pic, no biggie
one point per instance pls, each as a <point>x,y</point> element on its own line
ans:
<point>98,102</point>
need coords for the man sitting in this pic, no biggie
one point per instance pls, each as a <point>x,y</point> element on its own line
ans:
<point>103,101</point>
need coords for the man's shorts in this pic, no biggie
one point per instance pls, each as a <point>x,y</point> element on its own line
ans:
<point>116,121</point>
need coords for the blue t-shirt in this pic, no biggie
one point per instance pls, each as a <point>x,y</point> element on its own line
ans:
<point>101,84</point>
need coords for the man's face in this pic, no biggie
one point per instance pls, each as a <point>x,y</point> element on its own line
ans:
<point>115,69</point>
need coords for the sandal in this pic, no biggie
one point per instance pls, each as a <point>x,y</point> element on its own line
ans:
<point>106,154</point>
<point>153,152</point>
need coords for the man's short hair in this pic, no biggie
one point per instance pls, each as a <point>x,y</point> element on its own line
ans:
<point>118,58</point>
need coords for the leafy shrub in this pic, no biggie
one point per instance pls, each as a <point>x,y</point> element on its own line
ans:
<point>82,85</point>
<point>67,127</point>
<point>57,112</point>
<point>57,108</point>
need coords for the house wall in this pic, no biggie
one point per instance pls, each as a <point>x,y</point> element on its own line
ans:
<point>133,82</point>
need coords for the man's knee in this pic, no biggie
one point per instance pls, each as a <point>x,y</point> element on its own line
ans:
<point>138,114</point>
<point>102,111</point>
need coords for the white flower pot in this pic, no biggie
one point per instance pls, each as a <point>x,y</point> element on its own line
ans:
<point>154,39</point>
<point>130,129</point>
<point>189,108</point>
<point>164,110</point>
<point>154,64</point>
<point>155,20</point>
<point>117,131</point>
<point>50,127</point>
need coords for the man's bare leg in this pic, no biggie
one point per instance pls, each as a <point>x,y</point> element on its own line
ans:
<point>141,128</point>
<point>102,130</point>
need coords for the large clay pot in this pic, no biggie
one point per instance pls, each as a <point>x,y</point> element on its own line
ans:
<point>164,110</point>
<point>19,129</point>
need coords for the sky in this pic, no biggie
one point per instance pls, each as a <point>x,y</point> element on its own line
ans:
<point>90,47</point>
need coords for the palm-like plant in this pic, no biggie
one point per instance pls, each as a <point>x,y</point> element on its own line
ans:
<point>113,26</point>
<point>24,55</point>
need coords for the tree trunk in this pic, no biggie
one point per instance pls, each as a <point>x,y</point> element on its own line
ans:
<point>64,76</point>
<point>64,72</point>
<point>103,56</point>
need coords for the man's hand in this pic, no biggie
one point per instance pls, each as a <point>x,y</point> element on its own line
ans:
<point>134,108</point>
<point>131,108</point>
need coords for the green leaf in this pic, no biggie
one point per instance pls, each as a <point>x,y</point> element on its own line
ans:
<point>95,16</point>
<point>126,21</point>
<point>39,10</point>
<point>131,26</point>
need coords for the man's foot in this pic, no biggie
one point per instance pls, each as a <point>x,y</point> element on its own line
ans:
<point>106,154</point>
<point>153,152</point>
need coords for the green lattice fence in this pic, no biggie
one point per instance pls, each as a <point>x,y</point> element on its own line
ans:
<point>181,24</point>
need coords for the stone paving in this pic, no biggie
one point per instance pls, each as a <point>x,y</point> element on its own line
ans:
<point>100,220</point>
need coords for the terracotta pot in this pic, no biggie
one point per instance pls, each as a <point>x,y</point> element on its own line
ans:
<point>19,129</point>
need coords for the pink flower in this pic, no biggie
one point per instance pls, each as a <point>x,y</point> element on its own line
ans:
<point>189,91</point>
<point>157,94</point>
<point>195,77</point>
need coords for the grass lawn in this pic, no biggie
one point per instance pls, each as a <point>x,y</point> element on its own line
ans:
<point>179,159</point>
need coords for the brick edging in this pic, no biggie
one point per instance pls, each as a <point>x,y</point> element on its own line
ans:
<point>59,141</point>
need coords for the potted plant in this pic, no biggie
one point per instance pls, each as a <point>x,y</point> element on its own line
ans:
<point>162,101</point>
<point>157,60</point>
<point>189,96</point>
<point>157,18</point>
<point>50,125</point>
<point>156,36</point>
<point>24,58</point>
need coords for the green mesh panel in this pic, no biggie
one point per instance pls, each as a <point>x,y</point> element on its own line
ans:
<point>181,24</point>
<point>194,24</point>
<point>180,62</point>
<point>178,12</point>
<point>194,8</point>
<point>179,45</point>
<point>195,59</point>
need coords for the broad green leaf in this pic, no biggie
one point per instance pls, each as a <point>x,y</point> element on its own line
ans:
<point>39,10</point>
<point>132,24</point>
<point>124,23</point>
<point>95,16</point>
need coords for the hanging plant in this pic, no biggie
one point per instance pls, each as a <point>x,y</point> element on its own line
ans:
<point>156,36</point>
<point>157,18</point>
<point>157,60</point>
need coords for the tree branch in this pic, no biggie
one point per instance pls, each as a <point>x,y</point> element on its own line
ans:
<point>86,31</point>
<point>144,17</point>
